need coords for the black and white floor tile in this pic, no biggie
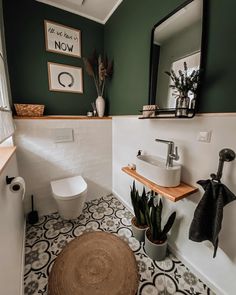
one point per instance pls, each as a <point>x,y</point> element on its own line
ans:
<point>46,239</point>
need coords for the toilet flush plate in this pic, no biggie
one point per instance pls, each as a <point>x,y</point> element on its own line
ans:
<point>63,135</point>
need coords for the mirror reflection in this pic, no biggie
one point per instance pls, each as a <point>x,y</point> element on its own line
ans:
<point>175,40</point>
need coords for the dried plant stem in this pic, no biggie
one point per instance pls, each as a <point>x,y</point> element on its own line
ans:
<point>99,69</point>
<point>103,86</point>
<point>96,84</point>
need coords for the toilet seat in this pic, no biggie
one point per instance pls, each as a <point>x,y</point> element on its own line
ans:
<point>68,188</point>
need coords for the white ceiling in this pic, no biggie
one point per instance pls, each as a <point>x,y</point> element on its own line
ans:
<point>96,10</point>
<point>182,19</point>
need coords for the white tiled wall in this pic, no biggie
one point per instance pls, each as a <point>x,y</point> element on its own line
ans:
<point>41,160</point>
<point>12,234</point>
<point>101,144</point>
<point>199,160</point>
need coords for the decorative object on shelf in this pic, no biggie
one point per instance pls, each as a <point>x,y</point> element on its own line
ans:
<point>95,113</point>
<point>149,110</point>
<point>100,70</point>
<point>89,114</point>
<point>29,110</point>
<point>184,85</point>
<point>4,109</point>
<point>65,78</point>
<point>62,39</point>
<point>100,106</point>
<point>132,166</point>
<point>208,216</point>
<point>156,237</point>
<point>182,106</point>
<point>139,221</point>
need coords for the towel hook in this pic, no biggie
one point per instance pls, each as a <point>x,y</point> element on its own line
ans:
<point>226,155</point>
<point>9,179</point>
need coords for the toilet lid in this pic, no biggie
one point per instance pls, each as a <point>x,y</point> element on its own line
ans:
<point>68,187</point>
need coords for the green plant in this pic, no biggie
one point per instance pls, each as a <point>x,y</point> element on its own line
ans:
<point>140,205</point>
<point>155,221</point>
<point>185,82</point>
<point>99,69</point>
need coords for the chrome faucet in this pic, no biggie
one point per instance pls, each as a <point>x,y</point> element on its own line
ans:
<point>172,152</point>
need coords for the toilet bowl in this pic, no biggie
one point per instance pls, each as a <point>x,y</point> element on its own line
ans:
<point>69,194</point>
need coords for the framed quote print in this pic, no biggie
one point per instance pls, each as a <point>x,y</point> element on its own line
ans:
<point>62,39</point>
<point>65,78</point>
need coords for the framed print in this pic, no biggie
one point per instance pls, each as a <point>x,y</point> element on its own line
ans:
<point>65,78</point>
<point>62,39</point>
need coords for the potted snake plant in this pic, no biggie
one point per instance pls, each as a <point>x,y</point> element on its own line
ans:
<point>156,236</point>
<point>139,221</point>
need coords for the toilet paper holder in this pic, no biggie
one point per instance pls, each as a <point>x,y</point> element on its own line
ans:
<point>9,179</point>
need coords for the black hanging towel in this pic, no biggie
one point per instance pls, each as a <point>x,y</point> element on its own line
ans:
<point>207,220</point>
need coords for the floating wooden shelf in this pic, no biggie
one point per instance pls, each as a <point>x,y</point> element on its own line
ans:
<point>172,193</point>
<point>62,118</point>
<point>5,155</point>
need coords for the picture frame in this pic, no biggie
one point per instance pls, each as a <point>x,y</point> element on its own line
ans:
<point>62,39</point>
<point>65,78</point>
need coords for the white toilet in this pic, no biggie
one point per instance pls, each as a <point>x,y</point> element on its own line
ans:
<point>69,194</point>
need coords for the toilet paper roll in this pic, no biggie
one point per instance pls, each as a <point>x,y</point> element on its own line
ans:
<point>18,186</point>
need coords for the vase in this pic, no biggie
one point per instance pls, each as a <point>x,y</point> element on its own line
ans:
<point>100,106</point>
<point>182,106</point>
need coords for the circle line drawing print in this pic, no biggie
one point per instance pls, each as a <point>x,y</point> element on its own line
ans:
<point>65,78</point>
<point>68,74</point>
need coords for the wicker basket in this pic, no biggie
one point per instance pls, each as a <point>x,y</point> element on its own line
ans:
<point>29,110</point>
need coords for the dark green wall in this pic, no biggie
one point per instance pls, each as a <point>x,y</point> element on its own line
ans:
<point>27,57</point>
<point>127,39</point>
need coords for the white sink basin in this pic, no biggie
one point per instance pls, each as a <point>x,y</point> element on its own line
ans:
<point>154,169</point>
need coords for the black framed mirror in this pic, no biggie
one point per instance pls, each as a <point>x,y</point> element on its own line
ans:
<point>177,38</point>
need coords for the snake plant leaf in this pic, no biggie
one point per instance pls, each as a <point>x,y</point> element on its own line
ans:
<point>153,227</point>
<point>168,226</point>
<point>159,208</point>
<point>151,202</point>
<point>154,220</point>
<point>139,204</point>
<point>147,216</point>
<point>134,201</point>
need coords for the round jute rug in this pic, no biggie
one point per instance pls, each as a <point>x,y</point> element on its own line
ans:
<point>95,263</point>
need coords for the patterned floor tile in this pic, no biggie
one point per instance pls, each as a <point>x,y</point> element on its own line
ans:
<point>46,239</point>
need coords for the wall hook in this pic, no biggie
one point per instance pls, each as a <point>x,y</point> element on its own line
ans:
<point>9,179</point>
<point>226,155</point>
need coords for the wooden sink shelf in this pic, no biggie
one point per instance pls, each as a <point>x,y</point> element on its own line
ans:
<point>172,193</point>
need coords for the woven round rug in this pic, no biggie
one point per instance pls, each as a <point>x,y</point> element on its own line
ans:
<point>95,263</point>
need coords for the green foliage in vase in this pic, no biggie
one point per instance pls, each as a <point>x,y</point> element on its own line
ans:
<point>99,69</point>
<point>185,81</point>
<point>155,220</point>
<point>140,205</point>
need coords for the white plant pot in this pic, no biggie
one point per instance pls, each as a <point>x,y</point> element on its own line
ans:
<point>100,106</point>
<point>139,233</point>
<point>155,251</point>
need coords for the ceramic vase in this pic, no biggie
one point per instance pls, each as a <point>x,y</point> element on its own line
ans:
<point>100,106</point>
